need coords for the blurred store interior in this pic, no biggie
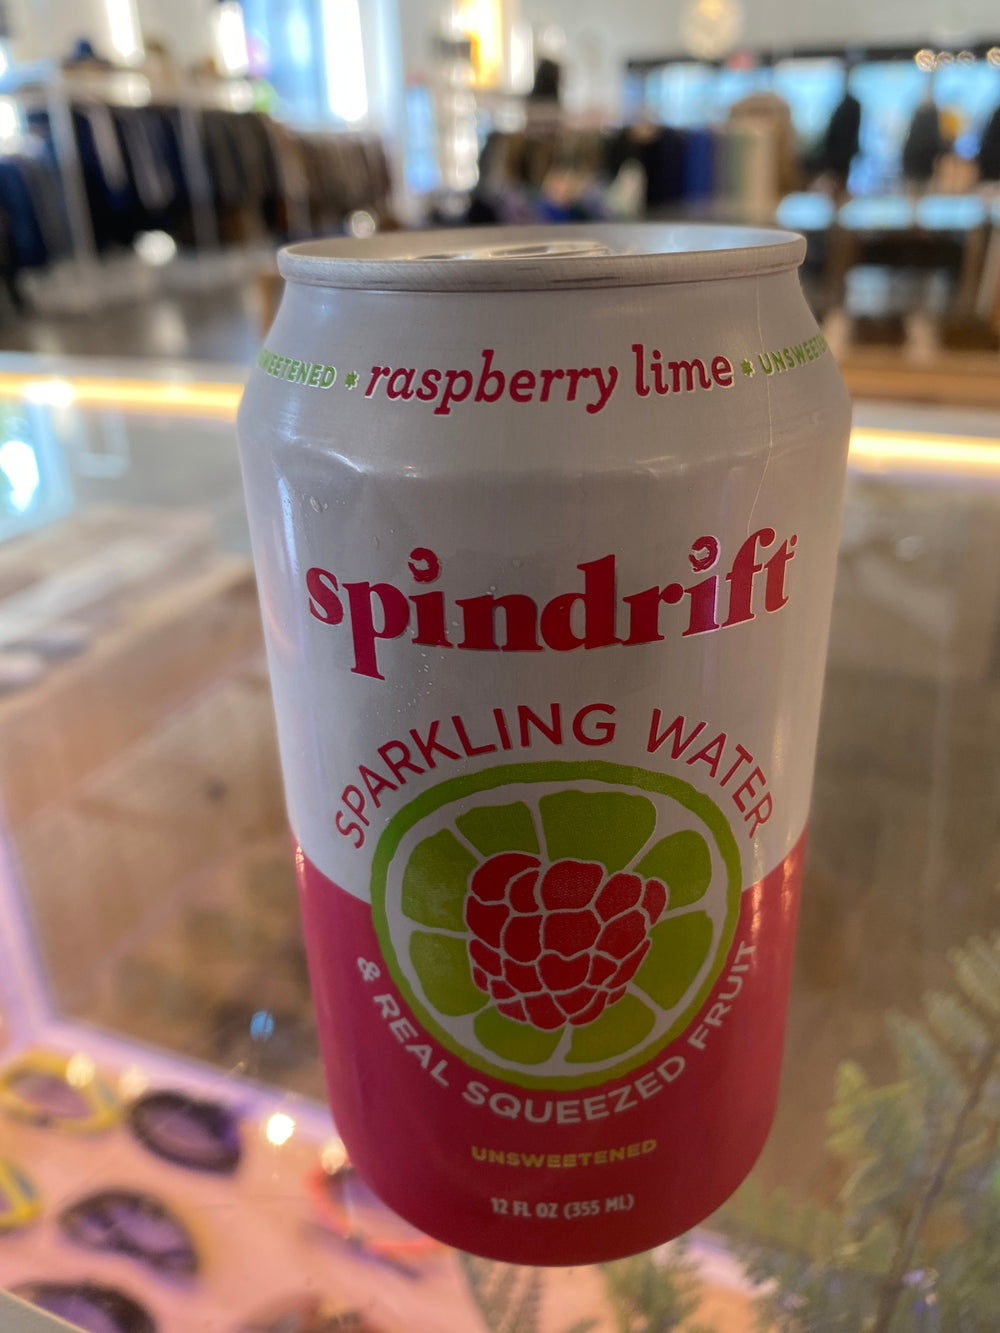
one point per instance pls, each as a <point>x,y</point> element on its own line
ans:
<point>155,152</point>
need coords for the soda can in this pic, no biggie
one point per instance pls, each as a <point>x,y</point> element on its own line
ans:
<point>545,524</point>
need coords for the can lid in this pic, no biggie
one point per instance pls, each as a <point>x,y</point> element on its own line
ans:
<point>554,258</point>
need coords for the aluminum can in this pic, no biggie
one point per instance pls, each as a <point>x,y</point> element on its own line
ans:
<point>545,524</point>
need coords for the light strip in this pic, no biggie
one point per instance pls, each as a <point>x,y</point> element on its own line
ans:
<point>944,455</point>
<point>347,91</point>
<point>231,37</point>
<point>872,450</point>
<point>200,399</point>
<point>123,29</point>
<point>482,20</point>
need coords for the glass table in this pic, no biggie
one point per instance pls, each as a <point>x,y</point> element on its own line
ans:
<point>150,943</point>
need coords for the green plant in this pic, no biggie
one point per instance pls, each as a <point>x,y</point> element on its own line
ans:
<point>655,1292</point>
<point>914,1243</point>
<point>509,1297</point>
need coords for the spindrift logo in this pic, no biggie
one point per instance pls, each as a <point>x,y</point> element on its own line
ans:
<point>582,618</point>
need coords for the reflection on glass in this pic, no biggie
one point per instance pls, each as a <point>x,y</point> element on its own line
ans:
<point>20,1200</point>
<point>181,928</point>
<point>34,478</point>
<point>279,1128</point>
<point>133,1224</point>
<point>80,1070</point>
<point>89,1306</point>
<point>36,1087</point>
<point>20,469</point>
<point>188,1131</point>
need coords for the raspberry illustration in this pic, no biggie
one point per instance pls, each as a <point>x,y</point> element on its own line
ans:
<point>552,923</point>
<point>557,945</point>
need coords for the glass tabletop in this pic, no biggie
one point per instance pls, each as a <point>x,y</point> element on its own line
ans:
<point>162,1129</point>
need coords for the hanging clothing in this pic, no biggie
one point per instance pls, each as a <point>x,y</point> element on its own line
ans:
<point>699,167</point>
<point>150,167</point>
<point>35,221</point>
<point>924,143</point>
<point>113,205</point>
<point>148,152</point>
<point>988,157</point>
<point>843,136</point>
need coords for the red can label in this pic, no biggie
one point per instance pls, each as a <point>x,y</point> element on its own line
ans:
<point>656,1107</point>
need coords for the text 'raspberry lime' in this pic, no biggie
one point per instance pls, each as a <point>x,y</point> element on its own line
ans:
<point>556,924</point>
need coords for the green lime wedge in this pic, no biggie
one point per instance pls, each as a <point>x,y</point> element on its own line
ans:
<point>678,947</point>
<point>619,1028</point>
<point>436,880</point>
<point>499,828</point>
<point>684,863</point>
<point>442,964</point>
<point>608,827</point>
<point>515,1041</point>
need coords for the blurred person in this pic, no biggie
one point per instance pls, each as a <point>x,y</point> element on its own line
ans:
<point>656,150</point>
<point>548,77</point>
<point>952,125</point>
<point>542,104</point>
<point>503,193</point>
<point>925,142</point>
<point>841,142</point>
<point>953,173</point>
<point>988,157</point>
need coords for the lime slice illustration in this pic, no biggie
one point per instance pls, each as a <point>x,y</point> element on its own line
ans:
<point>556,924</point>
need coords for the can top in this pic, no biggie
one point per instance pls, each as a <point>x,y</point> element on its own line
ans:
<point>545,258</point>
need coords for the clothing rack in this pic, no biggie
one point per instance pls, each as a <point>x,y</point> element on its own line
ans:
<point>81,283</point>
<point>209,142</point>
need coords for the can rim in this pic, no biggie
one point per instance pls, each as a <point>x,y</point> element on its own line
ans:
<point>542,258</point>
